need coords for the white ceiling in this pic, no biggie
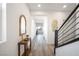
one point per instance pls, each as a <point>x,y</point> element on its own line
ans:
<point>39,19</point>
<point>51,6</point>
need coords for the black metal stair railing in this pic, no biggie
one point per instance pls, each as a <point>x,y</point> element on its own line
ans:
<point>69,31</point>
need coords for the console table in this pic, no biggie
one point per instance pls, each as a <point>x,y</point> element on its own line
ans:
<point>25,45</point>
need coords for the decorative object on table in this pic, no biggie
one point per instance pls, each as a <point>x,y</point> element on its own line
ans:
<point>27,48</point>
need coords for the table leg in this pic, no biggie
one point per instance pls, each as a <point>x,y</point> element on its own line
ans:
<point>18,49</point>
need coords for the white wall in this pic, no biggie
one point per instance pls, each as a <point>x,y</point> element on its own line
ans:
<point>68,50</point>
<point>45,28</point>
<point>0,22</point>
<point>33,29</point>
<point>13,12</point>
<point>59,16</point>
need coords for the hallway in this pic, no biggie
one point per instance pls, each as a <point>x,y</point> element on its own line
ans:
<point>40,48</point>
<point>39,29</point>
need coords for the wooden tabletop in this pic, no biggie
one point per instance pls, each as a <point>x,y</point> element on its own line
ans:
<point>23,41</point>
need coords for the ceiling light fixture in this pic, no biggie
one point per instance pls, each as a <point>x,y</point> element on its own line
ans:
<point>64,6</point>
<point>39,5</point>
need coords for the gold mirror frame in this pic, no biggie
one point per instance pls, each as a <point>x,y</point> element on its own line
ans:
<point>20,25</point>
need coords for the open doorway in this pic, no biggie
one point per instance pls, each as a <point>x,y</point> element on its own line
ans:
<point>40,33</point>
<point>40,26</point>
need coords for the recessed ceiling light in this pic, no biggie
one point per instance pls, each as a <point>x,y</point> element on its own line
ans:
<point>64,6</point>
<point>38,5</point>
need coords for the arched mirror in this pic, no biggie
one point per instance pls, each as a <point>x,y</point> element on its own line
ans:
<point>22,25</point>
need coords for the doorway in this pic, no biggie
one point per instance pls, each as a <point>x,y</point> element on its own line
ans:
<point>39,26</point>
<point>40,33</point>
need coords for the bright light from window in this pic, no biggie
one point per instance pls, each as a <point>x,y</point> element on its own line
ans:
<point>64,6</point>
<point>39,27</point>
<point>39,5</point>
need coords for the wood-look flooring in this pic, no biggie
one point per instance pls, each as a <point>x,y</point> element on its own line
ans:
<point>40,48</point>
<point>43,52</point>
